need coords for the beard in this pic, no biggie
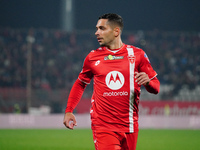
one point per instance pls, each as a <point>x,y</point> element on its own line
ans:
<point>104,44</point>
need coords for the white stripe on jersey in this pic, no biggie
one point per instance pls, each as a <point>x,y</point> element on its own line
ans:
<point>131,98</point>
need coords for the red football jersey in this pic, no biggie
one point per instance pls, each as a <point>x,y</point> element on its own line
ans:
<point>116,94</point>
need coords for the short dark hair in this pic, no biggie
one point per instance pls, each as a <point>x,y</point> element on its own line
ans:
<point>113,18</point>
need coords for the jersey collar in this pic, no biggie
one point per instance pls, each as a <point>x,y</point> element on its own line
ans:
<point>115,50</point>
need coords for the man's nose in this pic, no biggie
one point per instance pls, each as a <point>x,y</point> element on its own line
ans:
<point>97,32</point>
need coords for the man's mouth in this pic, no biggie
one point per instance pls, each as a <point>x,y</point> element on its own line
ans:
<point>99,39</point>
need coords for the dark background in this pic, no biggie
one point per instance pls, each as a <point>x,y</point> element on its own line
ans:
<point>138,14</point>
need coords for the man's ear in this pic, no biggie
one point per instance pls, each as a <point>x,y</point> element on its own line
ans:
<point>117,31</point>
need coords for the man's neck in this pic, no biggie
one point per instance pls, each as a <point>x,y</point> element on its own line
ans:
<point>115,46</point>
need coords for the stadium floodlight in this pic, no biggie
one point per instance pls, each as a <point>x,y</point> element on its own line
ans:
<point>67,15</point>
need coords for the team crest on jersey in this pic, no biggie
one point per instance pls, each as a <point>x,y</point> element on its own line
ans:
<point>112,57</point>
<point>131,58</point>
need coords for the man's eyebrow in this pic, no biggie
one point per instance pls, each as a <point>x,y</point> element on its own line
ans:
<point>99,27</point>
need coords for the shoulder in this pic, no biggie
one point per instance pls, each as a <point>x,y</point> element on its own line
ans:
<point>139,53</point>
<point>100,49</point>
<point>136,50</point>
<point>95,52</point>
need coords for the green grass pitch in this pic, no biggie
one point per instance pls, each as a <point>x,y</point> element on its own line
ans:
<point>81,139</point>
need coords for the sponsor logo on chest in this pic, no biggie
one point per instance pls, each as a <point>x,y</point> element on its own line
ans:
<point>112,57</point>
<point>114,81</point>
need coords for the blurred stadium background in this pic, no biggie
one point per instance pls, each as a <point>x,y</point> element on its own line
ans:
<point>43,45</point>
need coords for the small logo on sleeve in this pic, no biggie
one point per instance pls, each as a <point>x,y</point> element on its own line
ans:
<point>145,55</point>
<point>97,62</point>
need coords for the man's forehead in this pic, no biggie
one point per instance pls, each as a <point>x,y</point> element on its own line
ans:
<point>102,22</point>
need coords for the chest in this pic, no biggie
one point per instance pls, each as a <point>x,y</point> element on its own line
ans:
<point>104,63</point>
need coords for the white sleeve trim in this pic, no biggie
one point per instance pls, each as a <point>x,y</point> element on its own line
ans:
<point>153,76</point>
<point>83,81</point>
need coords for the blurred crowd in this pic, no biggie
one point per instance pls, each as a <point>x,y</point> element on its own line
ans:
<point>174,55</point>
<point>57,56</point>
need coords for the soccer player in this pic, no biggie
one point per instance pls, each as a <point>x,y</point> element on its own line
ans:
<point>118,70</point>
